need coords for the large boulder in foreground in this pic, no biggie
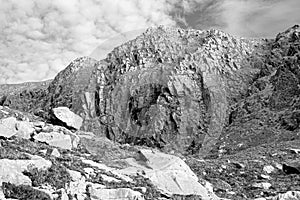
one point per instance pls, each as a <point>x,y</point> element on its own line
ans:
<point>11,171</point>
<point>170,174</point>
<point>56,139</point>
<point>10,126</point>
<point>67,117</point>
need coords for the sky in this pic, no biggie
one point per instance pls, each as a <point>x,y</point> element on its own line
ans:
<point>39,38</point>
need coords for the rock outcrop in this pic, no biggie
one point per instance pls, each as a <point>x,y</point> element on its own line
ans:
<point>8,127</point>
<point>12,127</point>
<point>67,117</point>
<point>169,173</point>
<point>12,170</point>
<point>269,111</point>
<point>169,88</point>
<point>120,193</point>
<point>138,175</point>
<point>149,121</point>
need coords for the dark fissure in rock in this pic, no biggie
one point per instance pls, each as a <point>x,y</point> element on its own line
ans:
<point>140,108</point>
<point>97,101</point>
<point>138,111</point>
<point>2,100</point>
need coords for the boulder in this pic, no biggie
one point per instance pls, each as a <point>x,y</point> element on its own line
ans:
<point>55,139</point>
<point>290,195</point>
<point>48,128</point>
<point>55,153</point>
<point>168,173</point>
<point>79,188</point>
<point>269,169</point>
<point>8,127</point>
<point>83,134</point>
<point>291,167</point>
<point>25,129</point>
<point>12,127</point>
<point>75,175</point>
<point>107,169</point>
<point>263,185</point>
<point>69,118</point>
<point>101,146</point>
<point>119,193</point>
<point>109,178</point>
<point>11,170</point>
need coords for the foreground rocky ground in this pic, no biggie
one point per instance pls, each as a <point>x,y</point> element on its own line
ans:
<point>45,161</point>
<point>173,114</point>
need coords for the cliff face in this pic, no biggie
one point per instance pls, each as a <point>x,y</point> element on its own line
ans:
<point>172,87</point>
<point>180,89</point>
<point>269,111</point>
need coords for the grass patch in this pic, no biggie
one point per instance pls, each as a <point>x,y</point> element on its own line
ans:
<point>56,176</point>
<point>23,192</point>
<point>8,153</point>
<point>18,147</point>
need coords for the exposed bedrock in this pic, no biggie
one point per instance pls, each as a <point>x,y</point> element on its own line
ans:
<point>168,88</point>
<point>159,106</point>
<point>172,88</point>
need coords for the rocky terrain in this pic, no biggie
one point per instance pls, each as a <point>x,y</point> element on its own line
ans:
<point>172,114</point>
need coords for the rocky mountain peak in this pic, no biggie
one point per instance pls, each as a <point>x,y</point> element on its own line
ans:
<point>226,108</point>
<point>168,88</point>
<point>291,34</point>
<point>70,72</point>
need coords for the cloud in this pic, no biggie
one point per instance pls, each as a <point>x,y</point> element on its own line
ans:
<point>183,13</point>
<point>245,18</point>
<point>206,15</point>
<point>258,18</point>
<point>40,38</point>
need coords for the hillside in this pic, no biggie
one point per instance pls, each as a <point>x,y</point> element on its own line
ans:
<point>229,107</point>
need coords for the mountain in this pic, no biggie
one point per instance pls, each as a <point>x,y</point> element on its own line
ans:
<point>166,85</point>
<point>196,94</point>
<point>269,110</point>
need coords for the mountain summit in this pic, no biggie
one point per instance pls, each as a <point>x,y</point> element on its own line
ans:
<point>170,88</point>
<point>158,118</point>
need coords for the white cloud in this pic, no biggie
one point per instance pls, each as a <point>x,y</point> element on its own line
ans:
<point>257,18</point>
<point>39,38</point>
